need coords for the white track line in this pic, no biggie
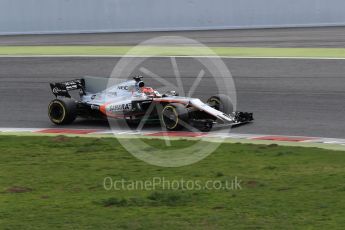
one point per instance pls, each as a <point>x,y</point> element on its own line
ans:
<point>178,56</point>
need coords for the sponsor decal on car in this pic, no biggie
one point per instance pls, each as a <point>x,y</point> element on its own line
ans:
<point>56,90</point>
<point>120,107</point>
<point>123,87</point>
<point>96,97</point>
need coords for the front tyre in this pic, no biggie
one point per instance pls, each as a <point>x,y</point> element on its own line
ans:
<point>62,111</point>
<point>173,115</point>
<point>222,103</point>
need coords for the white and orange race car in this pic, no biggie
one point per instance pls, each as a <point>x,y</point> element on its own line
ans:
<point>132,101</point>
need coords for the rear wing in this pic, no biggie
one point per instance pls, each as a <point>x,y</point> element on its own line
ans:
<point>61,89</point>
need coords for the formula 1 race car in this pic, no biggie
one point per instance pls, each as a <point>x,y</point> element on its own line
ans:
<point>132,101</point>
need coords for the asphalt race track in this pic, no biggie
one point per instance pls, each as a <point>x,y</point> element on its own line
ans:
<point>287,96</point>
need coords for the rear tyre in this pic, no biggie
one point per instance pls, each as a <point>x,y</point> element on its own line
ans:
<point>173,115</point>
<point>62,111</point>
<point>222,103</point>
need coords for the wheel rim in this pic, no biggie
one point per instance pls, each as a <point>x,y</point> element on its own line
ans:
<point>56,112</point>
<point>214,103</point>
<point>170,117</point>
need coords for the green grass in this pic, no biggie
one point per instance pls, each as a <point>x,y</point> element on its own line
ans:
<point>175,51</point>
<point>56,182</point>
